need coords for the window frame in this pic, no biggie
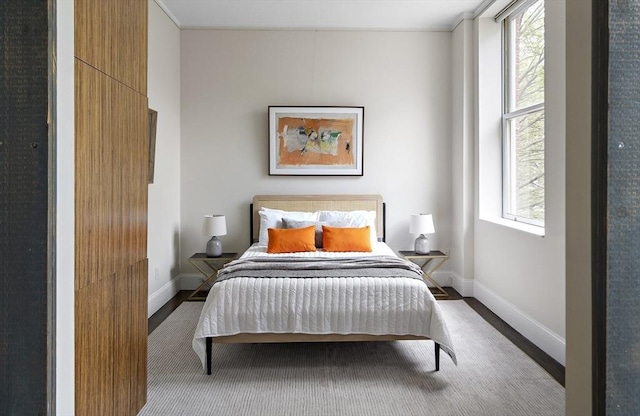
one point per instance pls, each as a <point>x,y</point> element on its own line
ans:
<point>508,98</point>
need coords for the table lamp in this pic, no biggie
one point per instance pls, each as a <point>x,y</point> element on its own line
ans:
<point>421,224</point>
<point>214,226</point>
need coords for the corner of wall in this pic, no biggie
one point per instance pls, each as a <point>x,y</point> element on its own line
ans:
<point>164,91</point>
<point>578,201</point>
<point>65,209</point>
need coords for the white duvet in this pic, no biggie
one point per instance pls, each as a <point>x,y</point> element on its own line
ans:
<point>364,305</point>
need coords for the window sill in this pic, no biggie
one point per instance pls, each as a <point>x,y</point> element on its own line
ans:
<point>521,226</point>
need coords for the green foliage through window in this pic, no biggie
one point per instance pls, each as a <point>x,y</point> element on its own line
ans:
<point>523,119</point>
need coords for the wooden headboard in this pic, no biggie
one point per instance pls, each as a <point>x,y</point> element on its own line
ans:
<point>311,203</point>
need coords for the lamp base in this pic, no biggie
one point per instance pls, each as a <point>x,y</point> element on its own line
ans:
<point>214,247</point>
<point>421,245</point>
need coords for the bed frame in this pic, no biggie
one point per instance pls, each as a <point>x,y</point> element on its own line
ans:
<point>312,203</point>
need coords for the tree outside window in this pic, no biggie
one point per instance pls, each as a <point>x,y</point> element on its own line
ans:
<point>523,119</point>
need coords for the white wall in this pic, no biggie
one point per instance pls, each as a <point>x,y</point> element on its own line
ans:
<point>229,78</point>
<point>65,211</point>
<point>579,353</point>
<point>518,274</point>
<point>462,163</point>
<point>164,194</point>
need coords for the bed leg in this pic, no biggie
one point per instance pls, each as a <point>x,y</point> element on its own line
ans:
<point>209,342</point>
<point>437,351</point>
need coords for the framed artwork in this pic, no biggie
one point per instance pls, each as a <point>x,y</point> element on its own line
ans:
<point>316,141</point>
<point>153,122</point>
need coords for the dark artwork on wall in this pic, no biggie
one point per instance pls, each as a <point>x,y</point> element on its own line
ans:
<point>153,121</point>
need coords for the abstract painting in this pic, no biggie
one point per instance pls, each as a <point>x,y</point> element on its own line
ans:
<point>316,141</point>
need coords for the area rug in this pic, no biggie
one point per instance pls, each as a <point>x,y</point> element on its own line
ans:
<point>493,377</point>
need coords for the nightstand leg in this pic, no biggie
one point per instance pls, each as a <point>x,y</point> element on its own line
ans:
<point>192,295</point>
<point>210,272</point>
<point>209,267</point>
<point>439,291</point>
<point>209,347</point>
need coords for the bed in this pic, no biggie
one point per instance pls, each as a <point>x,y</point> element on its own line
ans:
<point>319,295</point>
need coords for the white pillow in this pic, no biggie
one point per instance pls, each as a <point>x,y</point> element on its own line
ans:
<point>272,218</point>
<point>351,219</point>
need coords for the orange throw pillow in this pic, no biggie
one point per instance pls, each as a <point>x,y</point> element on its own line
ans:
<point>291,240</point>
<point>346,239</point>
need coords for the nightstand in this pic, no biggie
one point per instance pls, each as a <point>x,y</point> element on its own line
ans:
<point>209,267</point>
<point>430,263</point>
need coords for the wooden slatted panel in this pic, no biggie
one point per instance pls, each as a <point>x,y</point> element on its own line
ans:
<point>139,297</point>
<point>123,345</point>
<point>130,65</point>
<point>130,370</point>
<point>129,183</point>
<point>111,36</point>
<point>111,184</point>
<point>94,348</point>
<point>111,206</point>
<point>91,43</point>
<point>130,365</point>
<point>111,344</point>
<point>133,158</point>
<point>87,132</point>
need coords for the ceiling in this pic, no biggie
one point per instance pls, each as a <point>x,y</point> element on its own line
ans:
<point>322,14</point>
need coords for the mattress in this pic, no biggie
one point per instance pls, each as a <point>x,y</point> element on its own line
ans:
<point>358,305</point>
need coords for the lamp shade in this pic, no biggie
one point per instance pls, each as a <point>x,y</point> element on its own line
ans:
<point>421,224</point>
<point>214,225</point>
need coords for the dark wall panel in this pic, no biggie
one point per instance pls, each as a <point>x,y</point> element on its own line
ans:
<point>623,196</point>
<point>23,206</point>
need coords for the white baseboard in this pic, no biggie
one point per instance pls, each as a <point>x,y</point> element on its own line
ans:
<point>534,331</point>
<point>462,285</point>
<point>163,295</point>
<point>448,278</point>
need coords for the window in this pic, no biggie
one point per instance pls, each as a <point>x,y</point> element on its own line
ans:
<point>523,113</point>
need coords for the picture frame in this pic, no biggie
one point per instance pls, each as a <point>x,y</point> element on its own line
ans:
<point>152,124</point>
<point>316,141</point>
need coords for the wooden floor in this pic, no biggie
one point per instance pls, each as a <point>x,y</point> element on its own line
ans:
<point>555,369</point>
